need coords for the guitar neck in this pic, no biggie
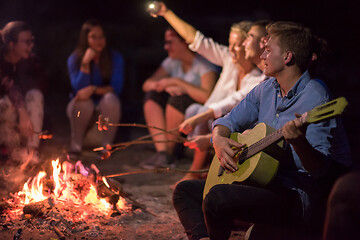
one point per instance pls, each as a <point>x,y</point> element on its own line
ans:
<point>319,113</point>
<point>260,145</point>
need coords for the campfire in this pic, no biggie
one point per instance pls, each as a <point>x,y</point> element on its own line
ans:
<point>66,201</point>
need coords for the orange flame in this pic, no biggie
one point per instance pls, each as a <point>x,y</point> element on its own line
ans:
<point>33,189</point>
<point>64,189</point>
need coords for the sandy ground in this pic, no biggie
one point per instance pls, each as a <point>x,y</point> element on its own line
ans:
<point>156,220</point>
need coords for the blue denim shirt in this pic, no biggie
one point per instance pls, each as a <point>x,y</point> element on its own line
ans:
<point>265,104</point>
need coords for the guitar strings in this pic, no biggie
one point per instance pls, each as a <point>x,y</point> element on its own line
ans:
<point>260,145</point>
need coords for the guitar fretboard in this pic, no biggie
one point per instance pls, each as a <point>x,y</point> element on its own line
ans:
<point>260,145</point>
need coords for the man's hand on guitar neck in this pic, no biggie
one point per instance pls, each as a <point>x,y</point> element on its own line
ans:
<point>294,131</point>
<point>225,148</point>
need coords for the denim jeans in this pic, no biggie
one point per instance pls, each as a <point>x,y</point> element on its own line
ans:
<point>224,203</point>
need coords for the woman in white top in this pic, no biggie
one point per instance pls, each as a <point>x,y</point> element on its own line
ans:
<point>183,78</point>
<point>237,78</point>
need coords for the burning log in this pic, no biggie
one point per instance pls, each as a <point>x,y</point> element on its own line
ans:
<point>57,230</point>
<point>104,192</point>
<point>116,187</point>
<point>59,233</point>
<point>38,209</point>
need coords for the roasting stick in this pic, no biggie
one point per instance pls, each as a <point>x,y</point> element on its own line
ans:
<point>158,170</point>
<point>42,135</point>
<point>103,124</point>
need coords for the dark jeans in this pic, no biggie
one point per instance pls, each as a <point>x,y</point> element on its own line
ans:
<point>224,203</point>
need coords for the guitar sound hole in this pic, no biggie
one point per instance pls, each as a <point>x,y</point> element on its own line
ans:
<point>241,161</point>
<point>243,156</point>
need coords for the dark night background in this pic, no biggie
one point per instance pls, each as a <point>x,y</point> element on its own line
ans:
<point>130,30</point>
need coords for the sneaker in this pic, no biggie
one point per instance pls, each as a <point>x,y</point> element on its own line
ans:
<point>165,160</point>
<point>150,162</point>
<point>158,160</point>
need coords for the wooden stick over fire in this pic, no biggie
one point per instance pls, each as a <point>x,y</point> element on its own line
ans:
<point>103,124</point>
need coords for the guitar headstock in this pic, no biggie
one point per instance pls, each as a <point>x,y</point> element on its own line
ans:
<point>327,110</point>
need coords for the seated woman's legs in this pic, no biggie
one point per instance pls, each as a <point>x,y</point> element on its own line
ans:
<point>154,106</point>
<point>110,107</point>
<point>175,114</point>
<point>79,114</point>
<point>155,116</point>
<point>34,104</point>
<point>173,119</point>
<point>201,157</point>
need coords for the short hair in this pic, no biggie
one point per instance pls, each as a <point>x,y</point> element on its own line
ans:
<point>242,27</point>
<point>298,39</point>
<point>263,25</point>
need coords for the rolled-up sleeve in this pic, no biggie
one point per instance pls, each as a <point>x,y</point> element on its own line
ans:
<point>208,48</point>
<point>243,115</point>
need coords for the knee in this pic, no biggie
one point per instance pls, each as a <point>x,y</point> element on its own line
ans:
<point>110,99</point>
<point>192,110</point>
<point>76,108</point>
<point>34,95</point>
<point>214,202</point>
<point>179,192</point>
<point>149,103</point>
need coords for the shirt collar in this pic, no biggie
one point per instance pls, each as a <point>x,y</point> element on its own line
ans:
<point>298,87</point>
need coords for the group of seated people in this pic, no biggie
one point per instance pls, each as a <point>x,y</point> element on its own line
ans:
<point>96,74</point>
<point>264,79</point>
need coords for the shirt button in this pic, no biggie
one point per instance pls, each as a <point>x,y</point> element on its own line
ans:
<point>277,115</point>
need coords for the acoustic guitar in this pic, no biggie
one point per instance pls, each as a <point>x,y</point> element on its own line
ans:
<point>255,166</point>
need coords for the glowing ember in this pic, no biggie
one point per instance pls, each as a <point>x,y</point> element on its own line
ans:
<point>105,181</point>
<point>45,136</point>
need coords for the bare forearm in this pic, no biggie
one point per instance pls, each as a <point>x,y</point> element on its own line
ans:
<point>220,131</point>
<point>199,93</point>
<point>184,29</point>
<point>148,85</point>
<point>103,90</point>
<point>205,116</point>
